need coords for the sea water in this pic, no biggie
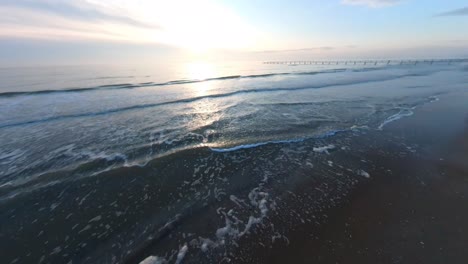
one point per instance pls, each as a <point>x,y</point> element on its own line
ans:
<point>179,162</point>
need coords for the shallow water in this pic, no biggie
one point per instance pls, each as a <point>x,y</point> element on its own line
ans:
<point>114,164</point>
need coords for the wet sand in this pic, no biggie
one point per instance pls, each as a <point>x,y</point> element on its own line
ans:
<point>357,196</point>
<point>413,208</point>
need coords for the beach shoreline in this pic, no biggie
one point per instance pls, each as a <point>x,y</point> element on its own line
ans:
<point>411,209</point>
<point>375,189</point>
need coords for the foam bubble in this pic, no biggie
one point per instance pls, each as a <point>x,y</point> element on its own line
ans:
<point>324,149</point>
<point>153,260</point>
<point>181,255</point>
<point>363,173</point>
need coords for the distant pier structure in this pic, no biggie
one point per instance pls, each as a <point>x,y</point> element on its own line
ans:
<point>368,62</point>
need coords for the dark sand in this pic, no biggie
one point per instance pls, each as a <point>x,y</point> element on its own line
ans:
<point>412,210</point>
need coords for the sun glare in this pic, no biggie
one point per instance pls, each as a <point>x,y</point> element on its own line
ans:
<point>201,26</point>
<point>200,71</point>
<point>197,26</point>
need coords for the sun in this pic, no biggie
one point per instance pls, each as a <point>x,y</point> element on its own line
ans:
<point>199,70</point>
<point>204,25</point>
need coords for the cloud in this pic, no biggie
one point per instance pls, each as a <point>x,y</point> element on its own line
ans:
<point>456,12</point>
<point>196,25</point>
<point>26,23</point>
<point>79,10</point>
<point>371,3</point>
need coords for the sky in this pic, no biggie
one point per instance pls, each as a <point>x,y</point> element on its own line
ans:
<point>96,31</point>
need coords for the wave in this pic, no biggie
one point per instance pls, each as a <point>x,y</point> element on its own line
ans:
<point>86,163</point>
<point>275,104</point>
<point>174,82</point>
<point>406,111</point>
<point>258,144</point>
<point>402,113</point>
<point>190,142</point>
<point>110,86</point>
<point>193,99</point>
<point>112,77</point>
<point>254,145</point>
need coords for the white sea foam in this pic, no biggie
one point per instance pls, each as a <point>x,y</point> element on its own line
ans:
<point>286,141</point>
<point>226,231</point>
<point>153,260</point>
<point>254,145</point>
<point>324,149</point>
<point>232,229</point>
<point>236,200</point>
<point>395,117</point>
<point>434,99</point>
<point>263,207</point>
<point>252,221</point>
<point>363,173</point>
<point>181,255</point>
<point>206,243</point>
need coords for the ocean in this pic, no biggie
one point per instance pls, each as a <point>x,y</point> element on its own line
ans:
<point>189,162</point>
